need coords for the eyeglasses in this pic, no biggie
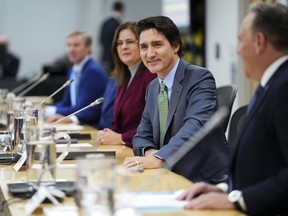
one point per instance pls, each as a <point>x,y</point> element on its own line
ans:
<point>128,43</point>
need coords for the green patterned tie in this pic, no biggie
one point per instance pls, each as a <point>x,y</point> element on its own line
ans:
<point>163,111</point>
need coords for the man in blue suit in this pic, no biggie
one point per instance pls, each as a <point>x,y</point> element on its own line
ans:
<point>89,83</point>
<point>191,95</point>
<point>259,159</point>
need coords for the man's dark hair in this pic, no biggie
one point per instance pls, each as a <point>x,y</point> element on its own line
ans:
<point>165,26</point>
<point>272,21</point>
<point>118,6</point>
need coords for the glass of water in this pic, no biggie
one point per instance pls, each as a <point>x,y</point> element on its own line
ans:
<point>95,186</point>
<point>5,141</point>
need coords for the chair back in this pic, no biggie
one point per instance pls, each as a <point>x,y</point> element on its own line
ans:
<point>236,123</point>
<point>226,96</point>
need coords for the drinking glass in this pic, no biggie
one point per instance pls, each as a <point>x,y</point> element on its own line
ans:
<point>5,142</point>
<point>95,185</point>
<point>3,108</point>
<point>22,119</point>
<point>42,157</point>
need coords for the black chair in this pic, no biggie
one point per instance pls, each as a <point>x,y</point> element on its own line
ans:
<point>236,122</point>
<point>226,96</point>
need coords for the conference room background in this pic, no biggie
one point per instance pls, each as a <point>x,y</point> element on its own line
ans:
<point>37,31</point>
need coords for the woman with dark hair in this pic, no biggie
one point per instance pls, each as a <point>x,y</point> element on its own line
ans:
<point>132,78</point>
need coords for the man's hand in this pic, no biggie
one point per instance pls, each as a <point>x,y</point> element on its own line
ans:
<point>56,117</point>
<point>206,196</point>
<point>150,152</point>
<point>197,189</point>
<point>149,162</point>
<point>211,200</point>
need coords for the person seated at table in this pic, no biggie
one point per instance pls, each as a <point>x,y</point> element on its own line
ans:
<point>178,103</point>
<point>132,78</point>
<point>89,83</point>
<point>258,180</point>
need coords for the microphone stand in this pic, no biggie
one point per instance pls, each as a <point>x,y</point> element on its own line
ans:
<point>44,77</point>
<point>24,85</point>
<point>60,158</point>
<point>96,102</point>
<point>214,122</point>
<point>67,83</point>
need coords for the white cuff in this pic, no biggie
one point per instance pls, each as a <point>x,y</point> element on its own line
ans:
<point>223,187</point>
<point>49,111</point>
<point>242,203</point>
<point>74,119</point>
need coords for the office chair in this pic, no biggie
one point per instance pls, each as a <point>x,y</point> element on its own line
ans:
<point>226,96</point>
<point>236,122</point>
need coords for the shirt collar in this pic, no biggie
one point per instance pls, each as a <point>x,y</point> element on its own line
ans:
<point>168,80</point>
<point>79,67</point>
<point>134,68</point>
<point>268,73</point>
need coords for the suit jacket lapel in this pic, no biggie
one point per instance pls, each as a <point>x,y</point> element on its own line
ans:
<point>248,119</point>
<point>127,91</point>
<point>121,94</point>
<point>176,91</point>
<point>256,107</point>
<point>156,124</point>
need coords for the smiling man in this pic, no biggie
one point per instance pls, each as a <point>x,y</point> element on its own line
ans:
<point>89,83</point>
<point>178,103</point>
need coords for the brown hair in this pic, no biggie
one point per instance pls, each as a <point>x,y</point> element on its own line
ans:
<point>87,38</point>
<point>121,71</point>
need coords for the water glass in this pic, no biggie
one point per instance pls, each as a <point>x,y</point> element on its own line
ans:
<point>22,118</point>
<point>5,141</point>
<point>19,121</point>
<point>95,185</point>
<point>41,161</point>
<point>3,108</point>
<point>42,157</point>
<point>19,103</point>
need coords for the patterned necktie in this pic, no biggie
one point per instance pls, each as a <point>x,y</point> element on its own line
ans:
<point>73,87</point>
<point>258,92</point>
<point>163,111</point>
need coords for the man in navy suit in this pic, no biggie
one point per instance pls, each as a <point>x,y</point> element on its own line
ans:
<point>89,84</point>
<point>191,95</point>
<point>258,181</point>
<point>108,29</point>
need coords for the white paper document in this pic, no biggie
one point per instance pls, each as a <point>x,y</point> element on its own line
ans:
<point>69,127</point>
<point>76,145</point>
<point>60,211</point>
<point>139,201</point>
<point>151,201</point>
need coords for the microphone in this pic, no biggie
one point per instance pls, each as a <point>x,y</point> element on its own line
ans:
<point>96,102</point>
<point>67,83</point>
<point>24,85</point>
<point>44,77</point>
<point>214,122</point>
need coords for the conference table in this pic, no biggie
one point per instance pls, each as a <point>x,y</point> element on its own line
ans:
<point>150,180</point>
